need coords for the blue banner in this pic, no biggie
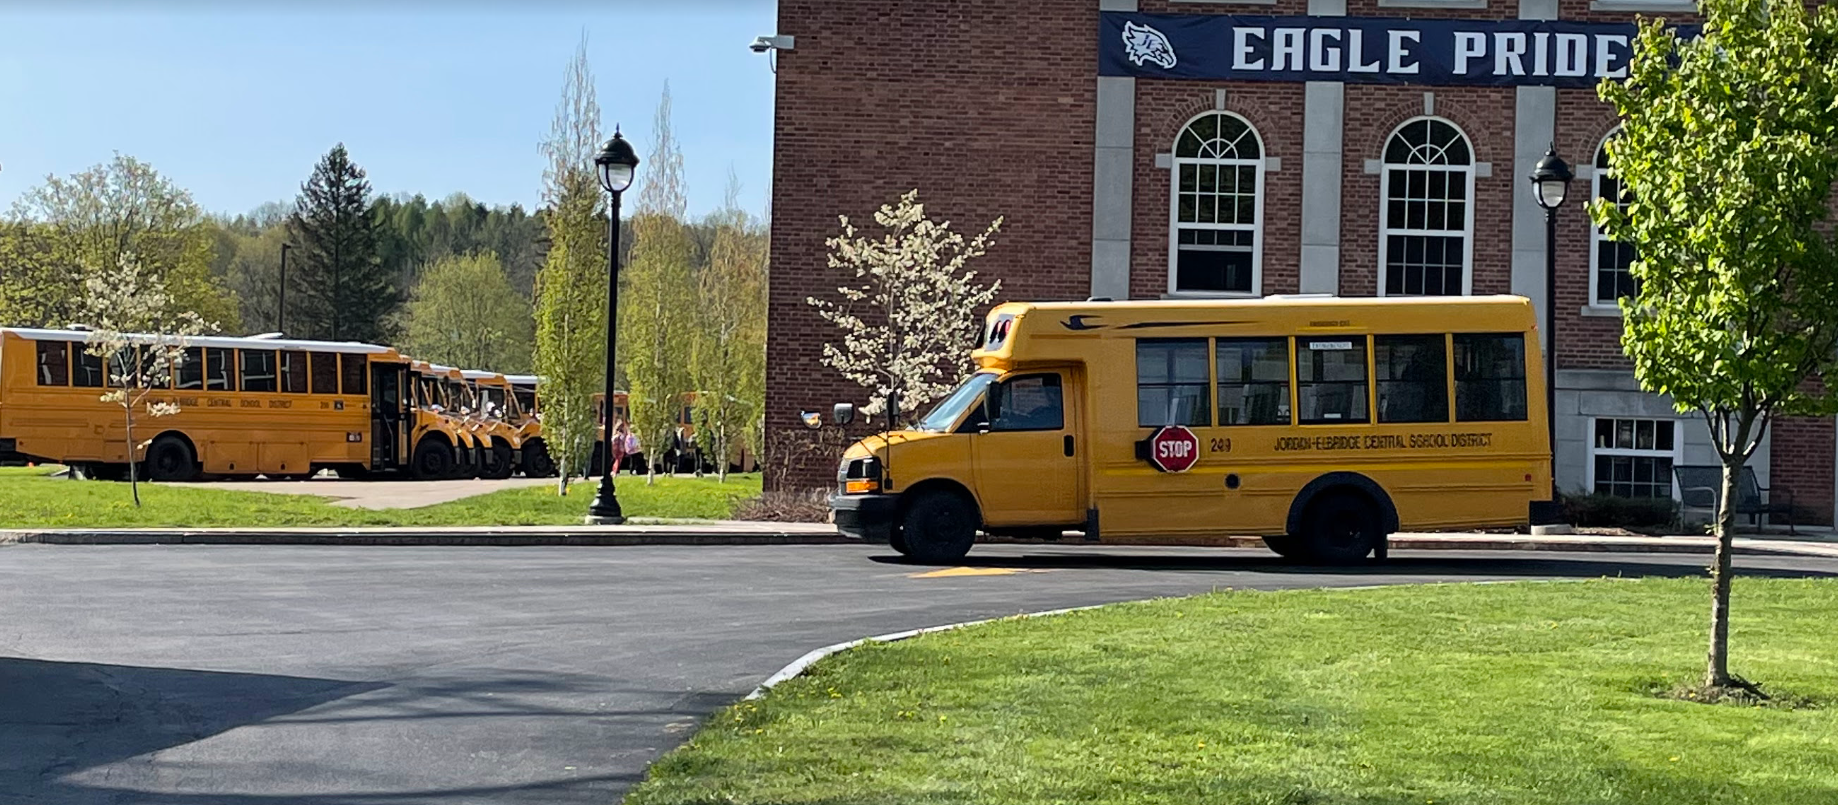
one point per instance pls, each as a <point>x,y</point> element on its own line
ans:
<point>1496,53</point>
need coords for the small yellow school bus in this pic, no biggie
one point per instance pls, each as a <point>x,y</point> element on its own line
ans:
<point>247,406</point>
<point>1318,423</point>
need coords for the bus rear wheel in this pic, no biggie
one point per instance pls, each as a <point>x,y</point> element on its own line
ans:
<point>537,463</point>
<point>169,458</point>
<point>496,461</point>
<point>432,461</point>
<point>1341,529</point>
<point>938,527</point>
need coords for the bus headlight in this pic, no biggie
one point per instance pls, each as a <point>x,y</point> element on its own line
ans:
<point>861,476</point>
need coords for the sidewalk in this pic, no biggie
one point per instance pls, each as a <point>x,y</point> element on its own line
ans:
<point>735,532</point>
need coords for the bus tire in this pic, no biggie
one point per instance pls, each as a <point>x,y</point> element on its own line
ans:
<point>1287,546</point>
<point>170,458</point>
<point>497,464</point>
<point>537,463</point>
<point>939,527</point>
<point>1341,528</point>
<point>896,539</point>
<point>432,460</point>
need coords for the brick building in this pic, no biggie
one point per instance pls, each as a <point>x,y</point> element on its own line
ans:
<point>1355,147</point>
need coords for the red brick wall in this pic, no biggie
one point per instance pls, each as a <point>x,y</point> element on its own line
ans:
<point>1800,461</point>
<point>985,108</point>
<point>1583,342</point>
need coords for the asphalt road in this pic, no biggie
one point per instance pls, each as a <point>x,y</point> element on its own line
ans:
<point>364,676</point>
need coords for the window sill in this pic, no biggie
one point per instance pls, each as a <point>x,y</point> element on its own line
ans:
<point>1600,312</point>
<point>1212,295</point>
<point>1432,3</point>
<point>1642,5</point>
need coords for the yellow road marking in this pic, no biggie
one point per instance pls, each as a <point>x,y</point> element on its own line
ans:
<point>971,571</point>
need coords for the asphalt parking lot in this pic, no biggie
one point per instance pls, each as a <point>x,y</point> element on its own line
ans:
<point>369,675</point>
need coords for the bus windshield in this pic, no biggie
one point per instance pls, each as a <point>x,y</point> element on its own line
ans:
<point>947,412</point>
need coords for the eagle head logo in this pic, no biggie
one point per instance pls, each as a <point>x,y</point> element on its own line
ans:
<point>1142,43</point>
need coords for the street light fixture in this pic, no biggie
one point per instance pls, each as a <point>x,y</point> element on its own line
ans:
<point>616,163</point>
<point>1550,186</point>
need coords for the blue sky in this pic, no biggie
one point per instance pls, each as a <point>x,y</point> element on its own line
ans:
<point>234,101</point>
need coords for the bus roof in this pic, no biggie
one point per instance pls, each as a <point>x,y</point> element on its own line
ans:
<point>221,342</point>
<point>479,374</point>
<point>522,380</point>
<point>1277,300</point>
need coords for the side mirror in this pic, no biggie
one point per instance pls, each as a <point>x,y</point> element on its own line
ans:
<point>811,419</point>
<point>843,413</point>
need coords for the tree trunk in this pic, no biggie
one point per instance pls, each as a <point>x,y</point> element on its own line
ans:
<point>127,421</point>
<point>1718,672</point>
<point>561,476</point>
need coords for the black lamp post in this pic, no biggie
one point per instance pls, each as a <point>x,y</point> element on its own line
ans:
<point>617,162</point>
<point>1550,185</point>
<point>280,305</point>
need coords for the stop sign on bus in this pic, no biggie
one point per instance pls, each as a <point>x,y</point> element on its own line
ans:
<point>1174,448</point>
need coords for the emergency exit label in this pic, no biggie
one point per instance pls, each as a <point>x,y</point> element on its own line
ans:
<point>1174,448</point>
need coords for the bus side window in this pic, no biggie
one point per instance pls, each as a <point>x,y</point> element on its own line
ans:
<point>1253,381</point>
<point>293,372</point>
<point>1331,379</point>
<point>54,363</point>
<point>325,372</point>
<point>88,369</point>
<point>219,369</point>
<point>355,366</point>
<point>1490,377</point>
<point>1172,382</point>
<point>191,369</point>
<point>1028,402</point>
<point>258,370</point>
<point>1413,378</point>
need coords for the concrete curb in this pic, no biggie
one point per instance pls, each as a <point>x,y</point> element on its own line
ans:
<point>802,664</point>
<point>585,536</point>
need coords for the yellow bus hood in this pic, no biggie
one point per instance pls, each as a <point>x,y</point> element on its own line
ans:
<point>877,444</point>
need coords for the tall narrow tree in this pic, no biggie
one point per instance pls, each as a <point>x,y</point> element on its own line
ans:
<point>571,286</point>
<point>658,300</point>
<point>728,361</point>
<point>346,292</point>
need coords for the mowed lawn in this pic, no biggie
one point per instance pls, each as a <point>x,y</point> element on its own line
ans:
<point>1501,694</point>
<point>30,499</point>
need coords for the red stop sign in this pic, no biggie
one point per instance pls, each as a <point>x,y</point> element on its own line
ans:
<point>1174,448</point>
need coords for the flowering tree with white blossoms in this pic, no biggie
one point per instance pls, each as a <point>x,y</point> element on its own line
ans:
<point>911,319</point>
<point>141,341</point>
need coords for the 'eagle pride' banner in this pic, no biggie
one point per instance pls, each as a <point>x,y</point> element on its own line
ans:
<point>1497,53</point>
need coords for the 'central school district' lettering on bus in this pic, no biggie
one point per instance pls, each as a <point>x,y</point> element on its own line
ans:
<point>1364,50</point>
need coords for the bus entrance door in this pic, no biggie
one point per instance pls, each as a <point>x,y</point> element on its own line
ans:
<point>1029,459</point>
<point>389,414</point>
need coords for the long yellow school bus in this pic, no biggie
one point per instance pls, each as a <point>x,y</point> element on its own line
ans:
<point>1320,424</point>
<point>247,406</point>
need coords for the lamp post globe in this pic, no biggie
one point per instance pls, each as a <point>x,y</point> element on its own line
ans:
<point>1550,186</point>
<point>616,163</point>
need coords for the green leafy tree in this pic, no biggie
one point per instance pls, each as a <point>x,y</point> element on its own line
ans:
<point>571,286</point>
<point>658,297</point>
<point>728,364</point>
<point>464,313</point>
<point>346,293</point>
<point>1729,149</point>
<point>96,218</point>
<point>141,337</point>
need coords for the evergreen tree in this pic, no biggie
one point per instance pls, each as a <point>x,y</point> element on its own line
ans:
<point>347,294</point>
<point>571,286</point>
<point>658,296</point>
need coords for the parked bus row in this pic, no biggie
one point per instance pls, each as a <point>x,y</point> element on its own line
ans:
<point>271,407</point>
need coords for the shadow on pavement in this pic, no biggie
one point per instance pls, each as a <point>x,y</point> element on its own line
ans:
<point>1409,566</point>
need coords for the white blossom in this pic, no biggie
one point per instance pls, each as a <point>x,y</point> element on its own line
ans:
<point>910,319</point>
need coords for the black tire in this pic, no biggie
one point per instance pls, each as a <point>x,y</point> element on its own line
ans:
<point>465,463</point>
<point>497,462</point>
<point>1341,529</point>
<point>537,463</point>
<point>939,527</point>
<point>1286,546</point>
<point>170,458</point>
<point>353,472</point>
<point>896,539</point>
<point>433,460</point>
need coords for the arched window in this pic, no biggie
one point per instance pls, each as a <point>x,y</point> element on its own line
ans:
<point>1427,215</point>
<point>1609,259</point>
<point>1216,244</point>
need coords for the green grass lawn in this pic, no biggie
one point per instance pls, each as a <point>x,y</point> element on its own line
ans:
<point>28,499</point>
<point>1508,694</point>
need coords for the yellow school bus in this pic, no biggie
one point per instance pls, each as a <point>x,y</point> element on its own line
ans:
<point>444,446</point>
<point>499,431</point>
<point>533,460</point>
<point>1320,424</point>
<point>247,406</point>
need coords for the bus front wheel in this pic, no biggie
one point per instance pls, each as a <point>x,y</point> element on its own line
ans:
<point>495,461</point>
<point>938,527</point>
<point>1341,529</point>
<point>169,458</point>
<point>433,460</point>
<point>537,463</point>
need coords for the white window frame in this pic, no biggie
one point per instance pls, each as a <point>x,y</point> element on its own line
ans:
<point>1677,453</point>
<point>1596,173</point>
<point>1257,225</point>
<point>1385,230</point>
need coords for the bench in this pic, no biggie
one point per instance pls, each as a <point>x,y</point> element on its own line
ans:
<point>1700,486</point>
